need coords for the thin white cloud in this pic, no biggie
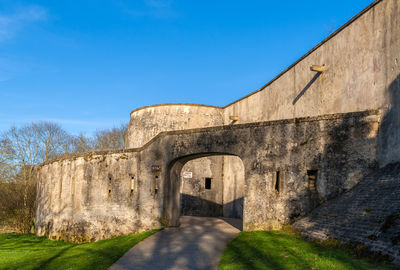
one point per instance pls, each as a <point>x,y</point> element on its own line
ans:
<point>10,24</point>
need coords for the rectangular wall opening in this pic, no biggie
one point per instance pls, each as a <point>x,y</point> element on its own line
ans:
<point>132,183</point>
<point>312,187</point>
<point>208,183</point>
<point>277,181</point>
<point>312,180</point>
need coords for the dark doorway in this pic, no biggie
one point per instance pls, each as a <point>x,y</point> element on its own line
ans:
<point>212,186</point>
<point>206,186</point>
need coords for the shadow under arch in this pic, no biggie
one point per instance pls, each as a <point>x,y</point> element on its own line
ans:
<point>172,198</point>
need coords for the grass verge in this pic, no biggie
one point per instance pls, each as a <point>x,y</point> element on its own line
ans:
<point>23,251</point>
<point>280,250</point>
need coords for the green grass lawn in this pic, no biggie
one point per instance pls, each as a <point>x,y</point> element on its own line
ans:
<point>279,250</point>
<point>22,251</point>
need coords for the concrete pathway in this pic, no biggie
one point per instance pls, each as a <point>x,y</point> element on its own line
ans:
<point>197,244</point>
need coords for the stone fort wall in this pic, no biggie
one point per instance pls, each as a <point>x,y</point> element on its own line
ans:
<point>99,195</point>
<point>301,125</point>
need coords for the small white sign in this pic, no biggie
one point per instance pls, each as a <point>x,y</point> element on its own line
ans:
<point>187,174</point>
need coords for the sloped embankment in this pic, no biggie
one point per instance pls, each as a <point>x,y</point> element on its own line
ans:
<point>369,214</point>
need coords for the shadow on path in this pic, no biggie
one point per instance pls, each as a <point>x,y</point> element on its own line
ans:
<point>197,244</point>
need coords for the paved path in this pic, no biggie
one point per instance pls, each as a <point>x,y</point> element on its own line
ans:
<point>197,244</point>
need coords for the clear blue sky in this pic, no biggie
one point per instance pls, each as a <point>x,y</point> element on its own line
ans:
<point>87,64</point>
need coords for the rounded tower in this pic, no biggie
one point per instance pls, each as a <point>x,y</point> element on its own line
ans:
<point>146,122</point>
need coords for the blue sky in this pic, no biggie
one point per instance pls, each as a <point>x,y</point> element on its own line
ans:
<point>87,64</point>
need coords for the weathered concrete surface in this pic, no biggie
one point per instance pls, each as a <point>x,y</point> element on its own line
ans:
<point>233,187</point>
<point>363,62</point>
<point>197,244</point>
<point>78,202</point>
<point>93,197</point>
<point>149,121</point>
<point>368,214</point>
<point>341,147</point>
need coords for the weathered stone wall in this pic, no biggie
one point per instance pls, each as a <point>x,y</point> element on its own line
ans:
<point>341,147</point>
<point>77,200</point>
<point>149,121</point>
<point>94,197</point>
<point>233,170</point>
<point>363,67</point>
<point>341,151</point>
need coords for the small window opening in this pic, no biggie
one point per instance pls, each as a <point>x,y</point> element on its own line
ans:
<point>278,181</point>
<point>156,176</point>
<point>109,178</point>
<point>155,191</point>
<point>312,180</point>
<point>132,183</point>
<point>312,186</point>
<point>208,183</point>
<point>109,191</point>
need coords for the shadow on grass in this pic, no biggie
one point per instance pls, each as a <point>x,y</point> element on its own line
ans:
<point>278,250</point>
<point>19,251</point>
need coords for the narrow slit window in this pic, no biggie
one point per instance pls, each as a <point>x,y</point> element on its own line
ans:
<point>312,180</point>
<point>277,181</point>
<point>208,183</point>
<point>132,183</point>
<point>312,187</point>
<point>109,184</point>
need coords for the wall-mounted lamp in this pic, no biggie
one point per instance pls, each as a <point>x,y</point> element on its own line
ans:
<point>316,68</point>
<point>234,118</point>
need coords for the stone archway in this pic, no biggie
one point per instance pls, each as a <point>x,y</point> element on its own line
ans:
<point>212,187</point>
<point>225,200</point>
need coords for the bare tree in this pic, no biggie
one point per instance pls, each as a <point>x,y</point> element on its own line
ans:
<point>110,139</point>
<point>53,139</point>
<point>6,154</point>
<point>21,149</point>
<point>81,144</point>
